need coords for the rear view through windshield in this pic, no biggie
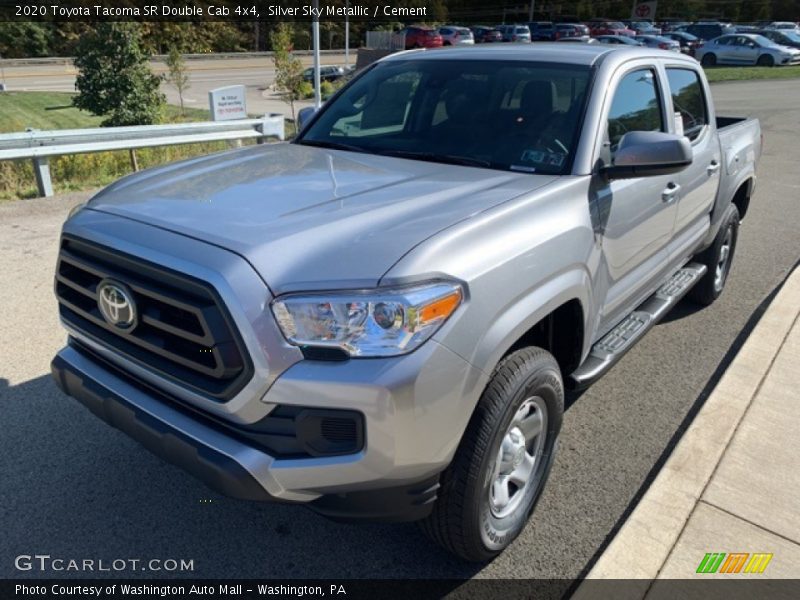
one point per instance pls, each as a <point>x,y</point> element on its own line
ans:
<point>510,115</point>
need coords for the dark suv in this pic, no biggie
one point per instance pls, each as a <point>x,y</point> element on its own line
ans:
<point>541,30</point>
<point>709,31</point>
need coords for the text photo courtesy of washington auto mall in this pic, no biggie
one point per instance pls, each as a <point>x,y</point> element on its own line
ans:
<point>400,299</point>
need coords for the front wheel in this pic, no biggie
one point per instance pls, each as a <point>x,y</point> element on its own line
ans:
<point>500,468</point>
<point>765,60</point>
<point>709,60</point>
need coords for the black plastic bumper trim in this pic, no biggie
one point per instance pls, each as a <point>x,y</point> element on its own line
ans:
<point>219,472</point>
<point>401,503</point>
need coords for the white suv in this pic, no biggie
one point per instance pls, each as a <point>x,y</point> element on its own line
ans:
<point>456,36</point>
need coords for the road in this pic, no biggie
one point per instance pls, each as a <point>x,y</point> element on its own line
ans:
<point>256,74</point>
<point>75,488</point>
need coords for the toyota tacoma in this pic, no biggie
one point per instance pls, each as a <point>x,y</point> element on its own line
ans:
<point>380,318</point>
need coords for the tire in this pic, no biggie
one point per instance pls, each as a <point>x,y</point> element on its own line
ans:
<point>718,258</point>
<point>765,60</point>
<point>709,60</point>
<point>473,518</point>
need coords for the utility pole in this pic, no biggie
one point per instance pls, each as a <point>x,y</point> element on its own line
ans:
<point>315,35</point>
<point>346,34</point>
<point>532,7</point>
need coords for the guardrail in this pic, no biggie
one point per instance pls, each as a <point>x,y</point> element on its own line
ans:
<point>41,145</point>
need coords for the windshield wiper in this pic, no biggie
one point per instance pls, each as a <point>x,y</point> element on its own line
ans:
<point>450,159</point>
<point>333,146</point>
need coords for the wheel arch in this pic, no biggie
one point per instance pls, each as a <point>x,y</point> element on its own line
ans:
<point>560,332</point>
<point>742,195</point>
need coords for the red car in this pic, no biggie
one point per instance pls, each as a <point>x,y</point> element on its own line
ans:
<point>610,28</point>
<point>422,37</point>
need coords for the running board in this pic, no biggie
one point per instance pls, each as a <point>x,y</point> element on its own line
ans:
<point>613,346</point>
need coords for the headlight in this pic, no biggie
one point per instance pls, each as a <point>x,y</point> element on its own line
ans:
<point>380,322</point>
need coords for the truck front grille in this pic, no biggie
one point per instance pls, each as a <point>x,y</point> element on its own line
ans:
<point>182,330</point>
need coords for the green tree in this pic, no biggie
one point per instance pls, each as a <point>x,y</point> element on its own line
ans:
<point>288,68</point>
<point>21,39</point>
<point>114,79</point>
<point>176,73</point>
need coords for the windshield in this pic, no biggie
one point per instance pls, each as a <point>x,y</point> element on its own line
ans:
<point>507,115</point>
<point>794,37</point>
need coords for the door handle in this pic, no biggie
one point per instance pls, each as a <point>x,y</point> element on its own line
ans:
<point>672,189</point>
<point>713,167</point>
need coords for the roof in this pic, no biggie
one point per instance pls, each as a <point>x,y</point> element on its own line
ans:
<point>586,54</point>
<point>546,52</point>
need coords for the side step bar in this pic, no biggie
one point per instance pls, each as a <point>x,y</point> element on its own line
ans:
<point>613,346</point>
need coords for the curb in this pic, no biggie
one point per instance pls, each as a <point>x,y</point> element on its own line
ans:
<point>643,543</point>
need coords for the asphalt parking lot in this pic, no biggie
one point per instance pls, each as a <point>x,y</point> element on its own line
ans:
<point>75,488</point>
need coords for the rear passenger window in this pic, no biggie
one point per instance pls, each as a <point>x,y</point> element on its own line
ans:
<point>688,100</point>
<point>636,106</point>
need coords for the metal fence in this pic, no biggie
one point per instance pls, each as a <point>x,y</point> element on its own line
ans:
<point>386,40</point>
<point>41,145</point>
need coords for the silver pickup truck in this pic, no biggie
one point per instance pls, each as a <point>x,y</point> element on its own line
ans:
<point>379,319</point>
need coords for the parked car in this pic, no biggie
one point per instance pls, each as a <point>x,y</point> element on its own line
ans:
<point>421,37</point>
<point>582,39</point>
<point>788,25</point>
<point>456,36</point>
<point>667,26</point>
<point>644,28</point>
<point>707,30</point>
<point>569,30</point>
<point>783,37</point>
<point>746,49</point>
<point>598,28</point>
<point>687,41</point>
<point>514,33</point>
<point>379,319</point>
<point>326,73</point>
<point>582,29</point>
<point>657,41</point>
<point>744,29</point>
<point>541,31</point>
<point>486,35</point>
<point>622,40</point>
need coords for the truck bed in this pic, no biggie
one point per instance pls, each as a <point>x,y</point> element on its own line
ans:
<point>740,142</point>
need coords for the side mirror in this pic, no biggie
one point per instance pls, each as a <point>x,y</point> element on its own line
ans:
<point>304,116</point>
<point>649,153</point>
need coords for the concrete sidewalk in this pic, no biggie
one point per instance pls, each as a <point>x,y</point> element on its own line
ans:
<point>732,484</point>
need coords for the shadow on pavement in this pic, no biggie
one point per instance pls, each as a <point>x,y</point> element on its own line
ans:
<point>74,487</point>
<point>683,309</point>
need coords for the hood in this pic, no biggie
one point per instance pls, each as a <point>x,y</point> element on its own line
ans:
<point>309,218</point>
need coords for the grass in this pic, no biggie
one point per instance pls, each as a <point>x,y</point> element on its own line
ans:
<point>54,110</point>
<point>715,74</point>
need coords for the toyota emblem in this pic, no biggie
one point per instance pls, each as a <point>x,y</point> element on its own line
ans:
<point>116,304</point>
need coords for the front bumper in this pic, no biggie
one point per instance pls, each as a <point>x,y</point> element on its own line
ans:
<point>415,409</point>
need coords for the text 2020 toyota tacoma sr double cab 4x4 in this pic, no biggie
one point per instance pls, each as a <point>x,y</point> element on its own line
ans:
<point>379,319</point>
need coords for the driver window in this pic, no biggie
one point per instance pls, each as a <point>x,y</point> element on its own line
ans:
<point>636,106</point>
